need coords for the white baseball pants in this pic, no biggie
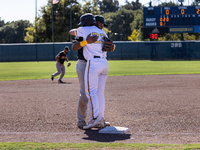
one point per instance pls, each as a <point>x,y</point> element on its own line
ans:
<point>95,79</point>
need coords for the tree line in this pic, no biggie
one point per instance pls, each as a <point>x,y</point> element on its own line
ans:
<point>124,22</point>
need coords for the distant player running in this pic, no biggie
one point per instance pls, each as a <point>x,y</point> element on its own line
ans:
<point>60,58</point>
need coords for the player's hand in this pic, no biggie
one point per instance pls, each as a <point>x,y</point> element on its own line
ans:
<point>113,47</point>
<point>91,39</point>
<point>69,64</point>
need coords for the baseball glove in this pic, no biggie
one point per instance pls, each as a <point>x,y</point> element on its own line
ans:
<point>108,45</point>
<point>69,64</point>
<point>77,39</point>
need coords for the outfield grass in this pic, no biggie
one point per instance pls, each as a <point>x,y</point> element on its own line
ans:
<point>44,69</point>
<point>91,146</point>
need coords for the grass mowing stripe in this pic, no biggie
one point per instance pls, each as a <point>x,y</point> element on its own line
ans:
<point>146,67</point>
<point>91,146</point>
<point>43,70</point>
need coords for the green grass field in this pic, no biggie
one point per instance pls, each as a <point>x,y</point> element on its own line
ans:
<point>43,70</point>
<point>92,146</point>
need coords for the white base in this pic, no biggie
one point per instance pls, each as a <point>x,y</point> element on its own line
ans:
<point>114,130</point>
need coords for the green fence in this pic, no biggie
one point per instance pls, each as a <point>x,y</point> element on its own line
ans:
<point>124,50</point>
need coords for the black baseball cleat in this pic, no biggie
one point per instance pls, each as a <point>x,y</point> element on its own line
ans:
<point>60,81</point>
<point>52,78</point>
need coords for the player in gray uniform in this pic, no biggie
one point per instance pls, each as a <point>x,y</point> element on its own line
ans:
<point>80,70</point>
<point>60,58</point>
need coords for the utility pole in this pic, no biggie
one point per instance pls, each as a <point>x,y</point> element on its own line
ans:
<point>52,30</point>
<point>52,24</point>
<point>35,21</point>
<point>70,19</point>
<point>122,26</point>
<point>36,29</point>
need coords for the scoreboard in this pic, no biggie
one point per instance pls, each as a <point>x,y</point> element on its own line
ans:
<point>171,19</point>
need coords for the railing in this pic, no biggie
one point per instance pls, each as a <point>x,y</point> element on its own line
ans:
<point>185,50</point>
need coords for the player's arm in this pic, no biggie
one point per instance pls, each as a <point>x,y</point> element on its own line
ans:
<point>90,39</point>
<point>72,32</point>
<point>76,46</point>
<point>57,59</point>
<point>69,64</point>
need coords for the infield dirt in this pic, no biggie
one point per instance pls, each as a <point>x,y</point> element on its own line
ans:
<point>156,109</point>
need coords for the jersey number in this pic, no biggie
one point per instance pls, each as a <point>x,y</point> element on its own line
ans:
<point>102,37</point>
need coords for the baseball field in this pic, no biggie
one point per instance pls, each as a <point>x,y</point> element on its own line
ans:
<point>157,100</point>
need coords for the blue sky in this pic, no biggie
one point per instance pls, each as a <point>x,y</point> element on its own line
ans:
<point>13,10</point>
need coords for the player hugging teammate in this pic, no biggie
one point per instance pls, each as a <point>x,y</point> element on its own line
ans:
<point>92,44</point>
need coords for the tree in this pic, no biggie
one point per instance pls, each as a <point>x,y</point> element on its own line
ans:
<point>119,23</point>
<point>14,32</point>
<point>134,36</point>
<point>2,23</point>
<point>61,18</point>
<point>91,7</point>
<point>177,37</point>
<point>107,6</point>
<point>137,23</point>
<point>30,34</point>
<point>133,5</point>
<point>168,4</point>
<point>195,2</point>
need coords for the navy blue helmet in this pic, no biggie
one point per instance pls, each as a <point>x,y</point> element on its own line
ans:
<point>87,19</point>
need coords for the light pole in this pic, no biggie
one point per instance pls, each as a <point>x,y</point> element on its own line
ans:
<point>70,18</point>
<point>122,26</point>
<point>70,13</point>
<point>35,21</point>
<point>36,29</point>
<point>52,25</point>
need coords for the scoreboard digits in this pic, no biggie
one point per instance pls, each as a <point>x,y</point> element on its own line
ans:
<point>198,11</point>
<point>153,36</point>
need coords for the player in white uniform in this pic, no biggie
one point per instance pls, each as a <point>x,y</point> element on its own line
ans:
<point>96,70</point>
<point>80,67</point>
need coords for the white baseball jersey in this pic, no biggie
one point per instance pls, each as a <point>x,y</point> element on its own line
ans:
<point>94,49</point>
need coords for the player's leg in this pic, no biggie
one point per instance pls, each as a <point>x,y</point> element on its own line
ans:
<point>100,94</point>
<point>62,72</point>
<point>91,83</point>
<point>101,88</point>
<point>82,101</point>
<point>93,70</point>
<point>58,70</point>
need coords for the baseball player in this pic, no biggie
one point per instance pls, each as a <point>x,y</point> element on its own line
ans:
<point>80,68</point>
<point>60,58</point>
<point>96,68</point>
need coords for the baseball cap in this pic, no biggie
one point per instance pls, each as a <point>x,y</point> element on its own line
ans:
<point>87,19</point>
<point>67,48</point>
<point>101,19</point>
